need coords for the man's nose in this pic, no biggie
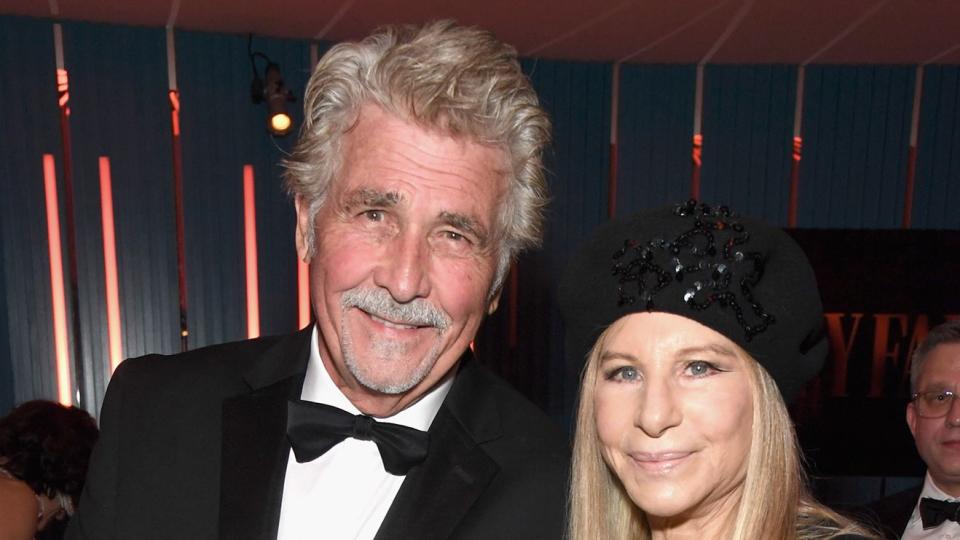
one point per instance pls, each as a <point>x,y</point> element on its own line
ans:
<point>404,270</point>
<point>953,412</point>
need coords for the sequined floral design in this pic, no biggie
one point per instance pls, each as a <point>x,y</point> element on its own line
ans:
<point>712,258</point>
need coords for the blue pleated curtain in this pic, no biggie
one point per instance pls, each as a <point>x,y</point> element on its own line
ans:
<point>856,125</point>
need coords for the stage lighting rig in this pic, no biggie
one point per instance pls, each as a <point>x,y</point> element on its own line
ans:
<point>271,90</point>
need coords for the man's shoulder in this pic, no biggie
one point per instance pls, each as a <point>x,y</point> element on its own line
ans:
<point>524,426</point>
<point>897,502</point>
<point>890,514</point>
<point>196,371</point>
<point>212,358</point>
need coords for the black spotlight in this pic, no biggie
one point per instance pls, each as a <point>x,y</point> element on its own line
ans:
<point>270,89</point>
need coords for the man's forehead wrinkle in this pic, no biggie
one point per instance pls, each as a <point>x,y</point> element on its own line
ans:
<point>430,160</point>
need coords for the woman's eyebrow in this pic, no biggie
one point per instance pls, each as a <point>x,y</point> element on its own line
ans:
<point>714,348</point>
<point>617,355</point>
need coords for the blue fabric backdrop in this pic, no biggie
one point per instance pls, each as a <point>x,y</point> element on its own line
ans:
<point>856,128</point>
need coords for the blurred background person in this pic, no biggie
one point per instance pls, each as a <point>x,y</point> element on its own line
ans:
<point>933,416</point>
<point>44,451</point>
<point>706,322</point>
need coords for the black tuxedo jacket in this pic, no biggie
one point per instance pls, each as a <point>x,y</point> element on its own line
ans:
<point>891,514</point>
<point>194,446</point>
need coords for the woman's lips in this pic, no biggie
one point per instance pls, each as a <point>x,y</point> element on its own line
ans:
<point>659,462</point>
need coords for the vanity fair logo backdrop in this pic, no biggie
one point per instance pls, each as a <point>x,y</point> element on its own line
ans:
<point>882,291</point>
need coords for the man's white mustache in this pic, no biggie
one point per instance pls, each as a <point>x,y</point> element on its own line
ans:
<point>379,303</point>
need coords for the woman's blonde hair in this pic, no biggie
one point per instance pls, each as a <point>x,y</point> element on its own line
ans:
<point>775,502</point>
<point>460,81</point>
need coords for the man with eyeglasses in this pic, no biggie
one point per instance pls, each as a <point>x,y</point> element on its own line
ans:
<point>933,415</point>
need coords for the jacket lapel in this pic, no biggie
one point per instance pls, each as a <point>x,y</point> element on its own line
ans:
<point>437,494</point>
<point>254,444</point>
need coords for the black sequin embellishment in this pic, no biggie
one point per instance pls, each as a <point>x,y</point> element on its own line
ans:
<point>712,255</point>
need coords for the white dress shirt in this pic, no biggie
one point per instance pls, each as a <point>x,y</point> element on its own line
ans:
<point>345,493</point>
<point>945,531</point>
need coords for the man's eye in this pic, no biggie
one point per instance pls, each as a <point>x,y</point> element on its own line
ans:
<point>373,215</point>
<point>455,236</point>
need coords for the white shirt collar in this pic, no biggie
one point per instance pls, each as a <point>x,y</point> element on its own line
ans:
<point>931,490</point>
<point>319,387</point>
<point>946,530</point>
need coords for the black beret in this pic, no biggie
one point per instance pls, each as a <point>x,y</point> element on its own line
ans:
<point>741,277</point>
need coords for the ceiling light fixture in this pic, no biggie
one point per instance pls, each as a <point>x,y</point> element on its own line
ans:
<point>271,90</point>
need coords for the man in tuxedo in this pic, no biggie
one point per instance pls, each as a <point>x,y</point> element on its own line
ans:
<point>417,178</point>
<point>933,415</point>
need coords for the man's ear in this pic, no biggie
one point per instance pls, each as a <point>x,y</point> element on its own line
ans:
<point>303,228</point>
<point>912,419</point>
<point>494,301</point>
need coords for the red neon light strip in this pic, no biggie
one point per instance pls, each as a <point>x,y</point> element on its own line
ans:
<point>63,91</point>
<point>303,294</point>
<point>908,189</point>
<point>175,111</point>
<point>56,281</point>
<point>697,157</point>
<point>612,187</point>
<point>178,213</point>
<point>794,201</point>
<point>250,244</point>
<point>110,265</point>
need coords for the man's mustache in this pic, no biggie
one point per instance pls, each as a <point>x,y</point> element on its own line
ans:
<point>378,302</point>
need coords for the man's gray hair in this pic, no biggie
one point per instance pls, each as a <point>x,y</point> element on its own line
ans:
<point>460,81</point>
<point>945,333</point>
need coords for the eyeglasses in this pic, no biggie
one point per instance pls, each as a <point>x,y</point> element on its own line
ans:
<point>933,404</point>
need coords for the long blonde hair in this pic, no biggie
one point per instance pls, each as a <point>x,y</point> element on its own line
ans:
<point>775,502</point>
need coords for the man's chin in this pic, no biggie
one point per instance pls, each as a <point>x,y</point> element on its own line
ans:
<point>389,384</point>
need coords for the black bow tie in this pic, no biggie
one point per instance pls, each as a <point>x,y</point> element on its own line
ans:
<point>314,428</point>
<point>933,512</point>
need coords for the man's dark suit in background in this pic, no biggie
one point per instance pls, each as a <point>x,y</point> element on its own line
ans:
<point>891,514</point>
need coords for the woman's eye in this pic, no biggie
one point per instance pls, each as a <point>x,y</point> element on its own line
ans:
<point>624,373</point>
<point>700,368</point>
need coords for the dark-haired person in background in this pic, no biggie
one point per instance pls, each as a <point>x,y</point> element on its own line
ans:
<point>699,325</point>
<point>44,451</point>
<point>933,415</point>
<point>417,179</point>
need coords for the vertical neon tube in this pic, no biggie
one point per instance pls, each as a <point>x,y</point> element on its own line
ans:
<point>793,202</point>
<point>696,155</point>
<point>912,150</point>
<point>114,335</point>
<point>614,128</point>
<point>794,196</point>
<point>250,245</point>
<point>174,95</point>
<point>57,294</point>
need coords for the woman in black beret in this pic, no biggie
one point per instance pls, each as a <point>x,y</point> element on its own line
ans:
<point>699,324</point>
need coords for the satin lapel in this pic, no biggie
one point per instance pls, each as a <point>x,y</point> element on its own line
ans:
<point>437,494</point>
<point>255,448</point>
